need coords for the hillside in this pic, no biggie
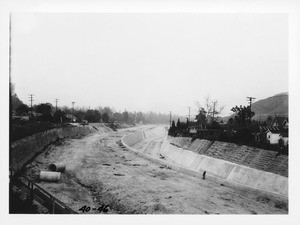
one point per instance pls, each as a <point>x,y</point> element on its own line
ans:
<point>277,104</point>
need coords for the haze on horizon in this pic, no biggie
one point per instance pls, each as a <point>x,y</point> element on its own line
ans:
<point>149,62</point>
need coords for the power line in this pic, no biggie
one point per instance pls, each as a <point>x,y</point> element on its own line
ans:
<point>189,113</point>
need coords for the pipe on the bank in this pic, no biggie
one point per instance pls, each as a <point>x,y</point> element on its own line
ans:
<point>57,167</point>
<point>49,176</point>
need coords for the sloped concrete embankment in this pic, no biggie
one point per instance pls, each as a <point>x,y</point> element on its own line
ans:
<point>241,154</point>
<point>195,164</point>
<point>25,149</point>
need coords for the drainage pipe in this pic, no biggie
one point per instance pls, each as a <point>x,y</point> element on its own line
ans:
<point>57,167</point>
<point>49,176</point>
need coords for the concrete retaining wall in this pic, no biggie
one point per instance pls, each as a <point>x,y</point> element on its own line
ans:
<point>134,138</point>
<point>244,155</point>
<point>195,164</point>
<point>25,149</point>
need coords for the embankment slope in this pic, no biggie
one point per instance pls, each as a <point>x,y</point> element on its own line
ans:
<point>194,163</point>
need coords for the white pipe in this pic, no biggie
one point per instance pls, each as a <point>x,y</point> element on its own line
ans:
<point>49,176</point>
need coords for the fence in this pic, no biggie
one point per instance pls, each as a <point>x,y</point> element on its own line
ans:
<point>39,194</point>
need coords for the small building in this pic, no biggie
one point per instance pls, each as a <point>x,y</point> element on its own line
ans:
<point>280,121</point>
<point>23,116</point>
<point>70,118</point>
<point>273,136</point>
<point>193,129</point>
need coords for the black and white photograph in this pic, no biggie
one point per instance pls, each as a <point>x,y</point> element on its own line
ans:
<point>148,113</point>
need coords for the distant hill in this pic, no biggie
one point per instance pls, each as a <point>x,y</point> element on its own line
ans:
<point>277,104</point>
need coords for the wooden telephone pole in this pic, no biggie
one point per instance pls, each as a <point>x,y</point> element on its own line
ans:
<point>250,101</point>
<point>56,100</point>
<point>73,111</point>
<point>31,100</point>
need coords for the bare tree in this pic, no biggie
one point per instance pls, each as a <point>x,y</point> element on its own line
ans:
<point>220,109</point>
<point>209,107</point>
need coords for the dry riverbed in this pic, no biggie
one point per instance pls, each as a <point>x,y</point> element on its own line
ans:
<point>100,171</point>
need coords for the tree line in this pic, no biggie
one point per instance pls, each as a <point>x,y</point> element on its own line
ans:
<point>101,114</point>
<point>47,112</point>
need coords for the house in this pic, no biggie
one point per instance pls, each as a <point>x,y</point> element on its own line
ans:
<point>195,125</point>
<point>193,129</point>
<point>22,116</point>
<point>280,121</point>
<point>70,118</point>
<point>272,134</point>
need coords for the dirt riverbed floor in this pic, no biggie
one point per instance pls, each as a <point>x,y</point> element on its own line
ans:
<point>100,171</point>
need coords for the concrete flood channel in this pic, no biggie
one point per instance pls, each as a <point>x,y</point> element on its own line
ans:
<point>136,171</point>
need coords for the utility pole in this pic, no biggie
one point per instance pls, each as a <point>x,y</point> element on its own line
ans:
<point>250,101</point>
<point>170,119</point>
<point>56,100</point>
<point>214,110</point>
<point>73,111</point>
<point>31,100</point>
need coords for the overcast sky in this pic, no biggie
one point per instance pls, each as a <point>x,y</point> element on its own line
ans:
<point>141,62</point>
